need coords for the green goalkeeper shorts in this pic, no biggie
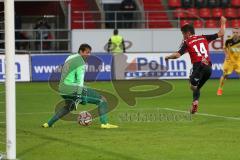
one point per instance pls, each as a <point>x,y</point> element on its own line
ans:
<point>88,96</point>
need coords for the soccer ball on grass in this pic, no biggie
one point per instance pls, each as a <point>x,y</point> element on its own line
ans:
<point>84,118</point>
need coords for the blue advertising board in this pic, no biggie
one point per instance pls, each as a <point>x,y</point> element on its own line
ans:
<point>217,65</point>
<point>99,67</point>
<point>48,67</point>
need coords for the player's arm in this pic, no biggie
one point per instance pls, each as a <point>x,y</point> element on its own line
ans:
<point>79,76</point>
<point>225,50</point>
<point>226,54</point>
<point>223,27</point>
<point>109,44</point>
<point>173,56</point>
<point>220,33</point>
<point>123,45</point>
<point>178,53</point>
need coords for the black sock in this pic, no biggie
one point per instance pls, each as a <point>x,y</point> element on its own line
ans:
<point>196,94</point>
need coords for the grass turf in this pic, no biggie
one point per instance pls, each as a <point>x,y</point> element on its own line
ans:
<point>147,131</point>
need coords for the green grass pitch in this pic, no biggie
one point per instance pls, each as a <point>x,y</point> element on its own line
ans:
<point>147,131</point>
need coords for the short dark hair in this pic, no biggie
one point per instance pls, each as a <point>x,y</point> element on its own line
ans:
<point>115,31</point>
<point>188,28</point>
<point>84,46</point>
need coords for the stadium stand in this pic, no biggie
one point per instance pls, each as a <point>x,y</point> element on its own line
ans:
<point>185,21</point>
<point>174,3</point>
<point>217,12</point>
<point>235,23</point>
<point>198,23</point>
<point>225,3</point>
<point>179,13</point>
<point>155,18</point>
<point>207,11</point>
<point>235,3</point>
<point>164,14</point>
<point>230,13</point>
<point>211,23</point>
<point>84,15</point>
<point>192,12</point>
<point>187,3</point>
<point>213,3</point>
<point>200,3</point>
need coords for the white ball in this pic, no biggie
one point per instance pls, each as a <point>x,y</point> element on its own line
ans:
<point>84,118</point>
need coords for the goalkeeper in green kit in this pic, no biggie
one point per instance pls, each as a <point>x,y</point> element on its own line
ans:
<point>72,89</point>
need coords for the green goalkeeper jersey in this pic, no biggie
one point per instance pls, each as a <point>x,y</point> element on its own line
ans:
<point>72,77</point>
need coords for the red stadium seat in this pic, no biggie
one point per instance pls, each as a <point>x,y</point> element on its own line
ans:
<point>230,13</point>
<point>174,3</point>
<point>179,13</point>
<point>228,24</point>
<point>235,23</point>
<point>235,3</point>
<point>238,12</point>
<point>211,23</point>
<point>205,13</point>
<point>184,21</point>
<point>198,24</point>
<point>217,12</point>
<point>192,13</point>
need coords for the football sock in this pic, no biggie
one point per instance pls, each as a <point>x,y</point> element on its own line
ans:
<point>221,82</point>
<point>59,114</point>
<point>196,94</point>
<point>102,110</point>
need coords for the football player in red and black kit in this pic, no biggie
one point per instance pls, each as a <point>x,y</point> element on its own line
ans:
<point>197,47</point>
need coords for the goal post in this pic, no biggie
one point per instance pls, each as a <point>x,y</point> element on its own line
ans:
<point>10,79</point>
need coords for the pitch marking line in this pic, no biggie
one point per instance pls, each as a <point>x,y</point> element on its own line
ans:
<point>169,109</point>
<point>30,113</point>
<point>203,114</point>
<point>35,113</point>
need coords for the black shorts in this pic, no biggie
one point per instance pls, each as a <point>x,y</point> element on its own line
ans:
<point>200,74</point>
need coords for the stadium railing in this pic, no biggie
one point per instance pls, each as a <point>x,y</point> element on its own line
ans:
<point>33,41</point>
<point>141,19</point>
